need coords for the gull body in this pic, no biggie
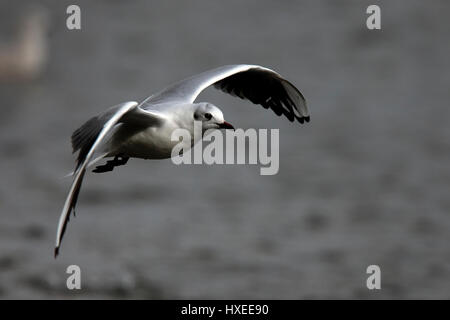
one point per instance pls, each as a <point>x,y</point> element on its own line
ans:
<point>144,130</point>
<point>155,142</point>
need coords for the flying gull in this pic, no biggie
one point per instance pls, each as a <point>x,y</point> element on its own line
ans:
<point>143,130</point>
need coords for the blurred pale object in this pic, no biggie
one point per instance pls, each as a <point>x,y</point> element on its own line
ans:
<point>24,58</point>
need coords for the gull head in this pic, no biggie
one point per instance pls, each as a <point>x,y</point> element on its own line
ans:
<point>211,117</point>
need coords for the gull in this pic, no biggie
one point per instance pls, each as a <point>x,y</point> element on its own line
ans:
<point>143,130</point>
<point>25,57</point>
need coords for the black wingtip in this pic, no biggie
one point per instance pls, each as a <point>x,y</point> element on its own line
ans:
<point>56,252</point>
<point>303,119</point>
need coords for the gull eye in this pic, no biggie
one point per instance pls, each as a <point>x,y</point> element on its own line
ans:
<point>208,116</point>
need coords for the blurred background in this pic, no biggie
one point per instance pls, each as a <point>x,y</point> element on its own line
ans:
<point>366,182</point>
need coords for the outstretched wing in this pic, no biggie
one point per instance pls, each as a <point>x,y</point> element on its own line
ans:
<point>87,139</point>
<point>255,83</point>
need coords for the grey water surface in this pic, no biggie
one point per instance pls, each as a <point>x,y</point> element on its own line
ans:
<point>366,182</point>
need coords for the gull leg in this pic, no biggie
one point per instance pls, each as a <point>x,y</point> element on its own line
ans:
<point>118,160</point>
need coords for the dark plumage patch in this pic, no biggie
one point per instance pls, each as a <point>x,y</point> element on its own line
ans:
<point>263,88</point>
<point>84,137</point>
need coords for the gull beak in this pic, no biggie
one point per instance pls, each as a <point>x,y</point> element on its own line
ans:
<point>225,125</point>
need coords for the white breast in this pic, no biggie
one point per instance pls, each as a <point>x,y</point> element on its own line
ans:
<point>151,143</point>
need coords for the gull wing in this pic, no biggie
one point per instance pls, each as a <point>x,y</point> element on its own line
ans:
<point>255,83</point>
<point>87,139</point>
